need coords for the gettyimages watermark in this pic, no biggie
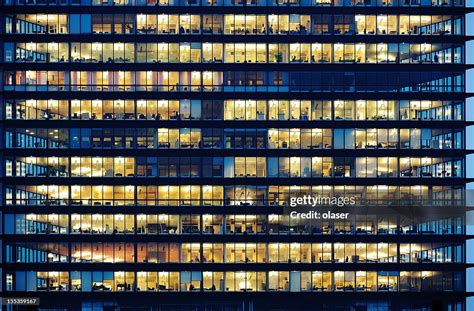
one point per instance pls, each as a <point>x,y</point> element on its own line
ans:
<point>308,200</point>
<point>311,202</point>
<point>310,207</point>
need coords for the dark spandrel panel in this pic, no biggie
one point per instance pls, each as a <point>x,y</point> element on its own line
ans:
<point>242,3</point>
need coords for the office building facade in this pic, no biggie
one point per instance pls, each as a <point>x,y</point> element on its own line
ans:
<point>150,149</point>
